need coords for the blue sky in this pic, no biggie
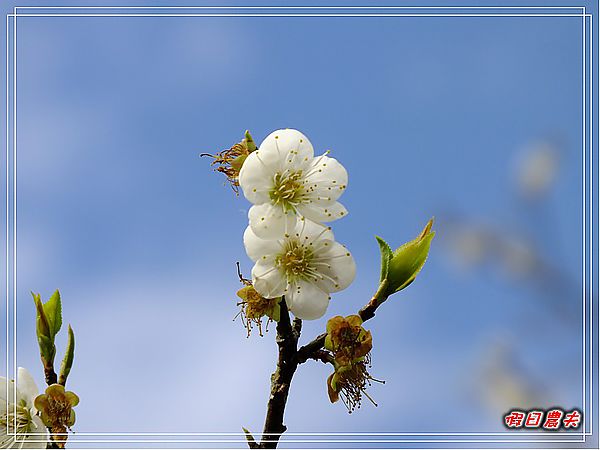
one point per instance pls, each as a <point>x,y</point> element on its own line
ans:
<point>428,115</point>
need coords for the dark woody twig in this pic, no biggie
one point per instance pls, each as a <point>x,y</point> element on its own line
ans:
<point>312,349</point>
<point>287,363</point>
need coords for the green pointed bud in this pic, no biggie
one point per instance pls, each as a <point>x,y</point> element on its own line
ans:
<point>44,333</point>
<point>42,325</point>
<point>401,267</point>
<point>48,324</point>
<point>250,145</point>
<point>67,361</point>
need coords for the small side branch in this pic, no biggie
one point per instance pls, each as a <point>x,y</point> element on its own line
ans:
<point>251,441</point>
<point>313,348</point>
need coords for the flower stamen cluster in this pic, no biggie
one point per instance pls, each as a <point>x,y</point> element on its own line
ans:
<point>287,189</point>
<point>349,383</point>
<point>19,415</point>
<point>295,259</point>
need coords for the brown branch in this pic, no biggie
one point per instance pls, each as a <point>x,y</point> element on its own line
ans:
<point>312,349</point>
<point>50,374</point>
<point>324,356</point>
<point>51,443</point>
<point>297,327</point>
<point>287,363</point>
<point>307,351</point>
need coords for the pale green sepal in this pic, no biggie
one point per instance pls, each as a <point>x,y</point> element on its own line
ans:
<point>249,142</point>
<point>328,343</point>
<point>238,162</point>
<point>275,313</point>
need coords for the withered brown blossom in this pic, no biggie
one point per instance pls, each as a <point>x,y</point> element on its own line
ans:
<point>350,345</point>
<point>230,161</point>
<point>255,307</point>
<point>347,339</point>
<point>56,408</point>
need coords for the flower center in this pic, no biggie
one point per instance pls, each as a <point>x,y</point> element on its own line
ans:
<point>295,260</point>
<point>287,189</point>
<point>59,409</point>
<point>23,419</point>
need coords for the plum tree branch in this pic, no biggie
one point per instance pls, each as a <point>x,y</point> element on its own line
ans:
<point>312,349</point>
<point>281,379</point>
<point>289,357</point>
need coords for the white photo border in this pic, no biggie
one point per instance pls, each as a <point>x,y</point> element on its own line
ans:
<point>589,184</point>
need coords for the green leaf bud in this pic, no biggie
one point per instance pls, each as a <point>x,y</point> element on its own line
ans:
<point>402,266</point>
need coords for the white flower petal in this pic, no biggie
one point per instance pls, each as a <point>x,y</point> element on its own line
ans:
<point>256,178</point>
<point>306,301</point>
<point>270,221</point>
<point>3,385</point>
<point>26,386</point>
<point>27,443</point>
<point>327,178</point>
<point>268,280</point>
<point>39,427</point>
<point>336,266</point>
<point>293,149</point>
<point>39,434</point>
<point>309,232</point>
<point>6,440</point>
<point>258,248</point>
<point>323,212</point>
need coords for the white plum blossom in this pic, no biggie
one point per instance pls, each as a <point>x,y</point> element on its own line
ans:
<point>305,265</point>
<point>30,431</point>
<point>283,179</point>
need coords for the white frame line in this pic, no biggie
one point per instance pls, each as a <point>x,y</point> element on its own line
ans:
<point>584,16</point>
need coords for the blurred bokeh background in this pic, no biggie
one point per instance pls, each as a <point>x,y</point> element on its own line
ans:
<point>476,121</point>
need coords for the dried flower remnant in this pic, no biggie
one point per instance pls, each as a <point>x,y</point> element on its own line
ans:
<point>255,307</point>
<point>349,383</point>
<point>350,345</point>
<point>230,161</point>
<point>56,408</point>
<point>347,339</point>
